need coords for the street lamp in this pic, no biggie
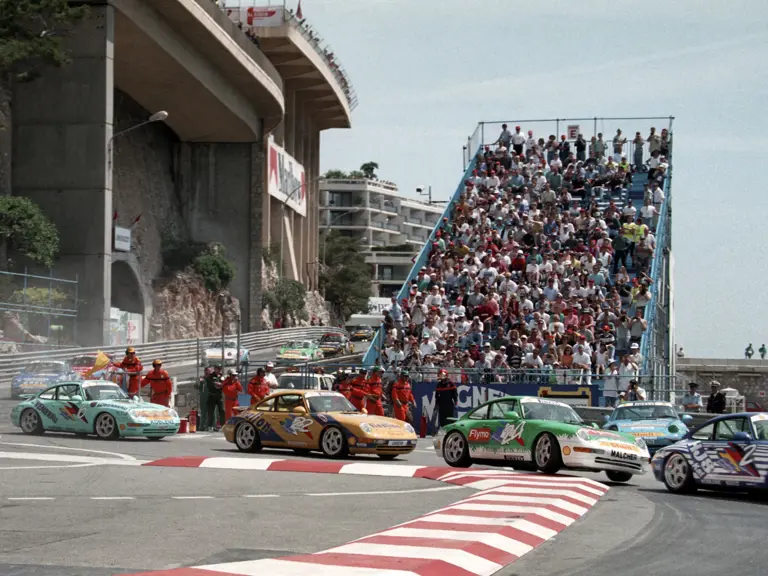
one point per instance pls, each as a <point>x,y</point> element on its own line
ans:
<point>282,220</point>
<point>328,229</point>
<point>159,116</point>
<point>420,192</point>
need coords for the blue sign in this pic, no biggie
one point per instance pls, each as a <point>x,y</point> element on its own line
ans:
<point>472,396</point>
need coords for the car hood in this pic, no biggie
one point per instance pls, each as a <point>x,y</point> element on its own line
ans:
<point>374,426</point>
<point>330,344</point>
<point>649,426</point>
<point>217,351</point>
<point>600,435</point>
<point>34,378</point>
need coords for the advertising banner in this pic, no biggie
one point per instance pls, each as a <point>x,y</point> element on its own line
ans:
<point>256,16</point>
<point>573,131</point>
<point>286,178</point>
<point>378,305</point>
<point>471,397</point>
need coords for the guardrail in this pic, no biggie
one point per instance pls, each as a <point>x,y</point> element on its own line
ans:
<point>170,351</point>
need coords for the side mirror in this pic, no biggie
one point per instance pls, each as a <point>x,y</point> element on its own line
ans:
<point>513,416</point>
<point>687,419</point>
<point>595,426</point>
<point>606,418</point>
<point>299,410</point>
<point>742,437</point>
<point>76,398</point>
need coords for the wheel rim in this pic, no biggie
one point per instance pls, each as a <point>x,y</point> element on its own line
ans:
<point>105,425</point>
<point>29,421</point>
<point>543,451</point>
<point>676,471</point>
<point>454,447</point>
<point>246,435</point>
<point>332,441</point>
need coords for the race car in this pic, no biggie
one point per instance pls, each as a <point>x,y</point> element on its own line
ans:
<point>729,452</point>
<point>547,434</point>
<point>39,375</point>
<point>658,423</point>
<point>361,333</point>
<point>305,420</point>
<point>93,407</point>
<point>336,345</point>
<point>212,355</point>
<point>299,351</point>
<point>84,362</point>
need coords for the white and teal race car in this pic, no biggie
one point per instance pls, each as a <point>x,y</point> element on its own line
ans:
<point>93,407</point>
<point>658,423</point>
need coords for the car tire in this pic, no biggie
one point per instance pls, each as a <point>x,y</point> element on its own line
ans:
<point>31,423</point>
<point>333,443</point>
<point>456,450</point>
<point>546,454</point>
<point>247,438</point>
<point>105,427</point>
<point>615,476</point>
<point>388,456</point>
<point>677,474</point>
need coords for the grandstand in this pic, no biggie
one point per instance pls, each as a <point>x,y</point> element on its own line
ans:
<point>514,227</point>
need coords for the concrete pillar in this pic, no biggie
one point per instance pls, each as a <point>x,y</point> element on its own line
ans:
<point>258,191</point>
<point>314,231</point>
<point>62,125</point>
<point>289,120</point>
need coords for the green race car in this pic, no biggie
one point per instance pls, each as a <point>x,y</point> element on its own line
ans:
<point>299,351</point>
<point>545,434</point>
<point>93,407</point>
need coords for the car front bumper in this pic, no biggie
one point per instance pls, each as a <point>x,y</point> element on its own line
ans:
<point>604,461</point>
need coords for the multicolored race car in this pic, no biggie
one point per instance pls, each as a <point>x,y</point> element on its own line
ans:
<point>305,420</point>
<point>84,362</point>
<point>547,434</point>
<point>93,407</point>
<point>336,345</point>
<point>299,351</point>
<point>658,423</point>
<point>39,375</point>
<point>729,452</point>
<point>228,356</point>
<point>361,333</point>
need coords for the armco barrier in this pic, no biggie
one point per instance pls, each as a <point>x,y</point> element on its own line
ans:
<point>170,351</point>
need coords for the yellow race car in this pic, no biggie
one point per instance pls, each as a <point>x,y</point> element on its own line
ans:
<point>305,420</point>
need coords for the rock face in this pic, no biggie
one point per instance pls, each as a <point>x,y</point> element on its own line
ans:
<point>184,308</point>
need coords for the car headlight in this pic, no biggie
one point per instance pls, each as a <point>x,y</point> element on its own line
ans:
<point>640,442</point>
<point>174,414</point>
<point>673,429</point>
<point>135,415</point>
<point>582,434</point>
<point>409,428</point>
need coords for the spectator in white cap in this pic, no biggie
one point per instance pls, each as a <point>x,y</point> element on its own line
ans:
<point>269,378</point>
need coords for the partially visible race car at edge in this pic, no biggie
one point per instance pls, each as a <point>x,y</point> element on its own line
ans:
<point>213,355</point>
<point>93,407</point>
<point>306,420</point>
<point>549,435</point>
<point>336,345</point>
<point>39,375</point>
<point>299,351</point>
<point>658,423</point>
<point>729,452</point>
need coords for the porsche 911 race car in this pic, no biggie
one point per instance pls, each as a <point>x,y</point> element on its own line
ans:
<point>307,420</point>
<point>658,423</point>
<point>93,407</point>
<point>84,362</point>
<point>213,355</point>
<point>361,333</point>
<point>729,452</point>
<point>299,351</point>
<point>547,434</point>
<point>39,375</point>
<point>336,345</point>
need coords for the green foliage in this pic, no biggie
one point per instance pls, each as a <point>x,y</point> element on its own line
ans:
<point>287,298</point>
<point>217,272</point>
<point>24,228</point>
<point>369,169</point>
<point>31,34</point>
<point>271,254</point>
<point>42,298</point>
<point>335,175</point>
<point>345,277</point>
<point>356,174</point>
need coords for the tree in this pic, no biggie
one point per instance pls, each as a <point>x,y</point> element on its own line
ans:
<point>31,34</point>
<point>356,174</point>
<point>335,175</point>
<point>287,298</point>
<point>25,229</point>
<point>369,169</point>
<point>345,278</point>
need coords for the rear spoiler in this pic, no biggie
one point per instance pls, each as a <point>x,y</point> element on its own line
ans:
<point>27,396</point>
<point>450,420</point>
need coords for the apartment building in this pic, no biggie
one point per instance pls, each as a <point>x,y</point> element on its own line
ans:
<point>391,227</point>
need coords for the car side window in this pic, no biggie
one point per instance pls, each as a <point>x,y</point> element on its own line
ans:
<point>726,429</point>
<point>266,406</point>
<point>479,414</point>
<point>67,391</point>
<point>287,402</point>
<point>704,433</point>
<point>49,394</point>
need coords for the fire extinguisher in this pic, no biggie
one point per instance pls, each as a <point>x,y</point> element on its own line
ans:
<point>193,420</point>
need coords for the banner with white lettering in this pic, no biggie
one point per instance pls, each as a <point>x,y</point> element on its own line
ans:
<point>286,178</point>
<point>256,16</point>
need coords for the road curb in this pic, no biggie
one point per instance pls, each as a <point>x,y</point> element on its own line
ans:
<point>512,514</point>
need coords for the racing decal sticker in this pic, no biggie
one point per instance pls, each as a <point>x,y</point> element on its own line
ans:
<point>632,404</point>
<point>623,455</point>
<point>153,414</point>
<point>68,411</point>
<point>45,411</point>
<point>645,434</point>
<point>297,425</point>
<point>509,433</point>
<point>595,434</point>
<point>759,417</point>
<point>480,435</point>
<point>324,419</point>
<point>619,445</point>
<point>739,459</point>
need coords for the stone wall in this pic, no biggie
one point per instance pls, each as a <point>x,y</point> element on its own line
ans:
<point>749,384</point>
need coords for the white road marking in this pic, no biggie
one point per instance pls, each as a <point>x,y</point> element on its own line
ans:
<point>112,498</point>
<point>496,540</point>
<point>521,509</point>
<point>43,467</point>
<point>365,469</point>
<point>116,454</point>
<point>278,567</point>
<point>31,498</point>
<point>542,491</point>
<point>239,463</point>
<point>560,503</point>
<point>193,497</point>
<point>264,495</point>
<point>414,491</point>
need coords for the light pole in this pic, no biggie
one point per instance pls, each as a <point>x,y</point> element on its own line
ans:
<point>328,229</point>
<point>282,220</point>
<point>428,194</point>
<point>159,116</point>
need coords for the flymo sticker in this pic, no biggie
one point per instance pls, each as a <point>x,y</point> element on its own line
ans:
<point>480,435</point>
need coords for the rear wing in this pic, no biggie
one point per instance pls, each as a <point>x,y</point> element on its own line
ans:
<point>27,396</point>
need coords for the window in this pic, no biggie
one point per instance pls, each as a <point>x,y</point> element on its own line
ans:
<point>500,409</point>
<point>66,392</point>
<point>386,272</point>
<point>479,414</point>
<point>48,394</point>
<point>288,402</point>
<point>266,406</point>
<point>704,433</point>
<point>726,429</point>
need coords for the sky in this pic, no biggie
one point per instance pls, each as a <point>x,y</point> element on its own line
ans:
<point>427,71</point>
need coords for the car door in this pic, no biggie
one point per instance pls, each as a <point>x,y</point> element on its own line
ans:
<point>734,448</point>
<point>44,404</point>
<point>291,422</point>
<point>506,433</point>
<point>67,405</point>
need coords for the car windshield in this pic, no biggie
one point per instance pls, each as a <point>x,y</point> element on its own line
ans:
<point>330,404</point>
<point>550,411</point>
<point>298,345</point>
<point>760,422</point>
<point>46,368</point>
<point>297,382</point>
<point>227,344</point>
<point>647,412</point>
<point>104,392</point>
<point>86,361</point>
<point>333,338</point>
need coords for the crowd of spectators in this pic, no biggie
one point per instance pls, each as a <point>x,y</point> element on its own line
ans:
<point>543,266</point>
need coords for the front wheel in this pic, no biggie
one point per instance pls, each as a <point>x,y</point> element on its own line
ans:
<point>106,427</point>
<point>546,454</point>
<point>615,476</point>
<point>31,423</point>
<point>247,438</point>
<point>456,450</point>
<point>333,443</point>
<point>678,477</point>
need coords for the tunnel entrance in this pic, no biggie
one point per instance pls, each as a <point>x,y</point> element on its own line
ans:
<point>127,313</point>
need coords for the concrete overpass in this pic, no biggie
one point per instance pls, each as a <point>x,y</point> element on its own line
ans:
<point>227,100</point>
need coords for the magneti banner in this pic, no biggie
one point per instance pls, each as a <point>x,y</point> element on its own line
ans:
<point>255,16</point>
<point>286,178</point>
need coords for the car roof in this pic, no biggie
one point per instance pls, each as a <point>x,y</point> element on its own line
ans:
<point>735,415</point>
<point>646,402</point>
<point>47,362</point>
